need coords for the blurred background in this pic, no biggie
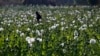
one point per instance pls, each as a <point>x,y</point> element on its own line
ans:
<point>49,2</point>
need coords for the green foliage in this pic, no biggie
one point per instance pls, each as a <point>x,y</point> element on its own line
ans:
<point>63,31</point>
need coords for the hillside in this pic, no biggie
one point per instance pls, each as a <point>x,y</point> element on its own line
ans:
<point>48,2</point>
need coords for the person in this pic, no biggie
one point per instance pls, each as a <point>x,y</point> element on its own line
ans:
<point>38,16</point>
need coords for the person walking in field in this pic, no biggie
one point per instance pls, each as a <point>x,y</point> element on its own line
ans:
<point>38,16</point>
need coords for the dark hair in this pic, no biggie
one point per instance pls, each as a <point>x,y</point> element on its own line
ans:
<point>38,16</point>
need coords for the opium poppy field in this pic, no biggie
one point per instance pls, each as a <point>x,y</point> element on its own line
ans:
<point>62,31</point>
